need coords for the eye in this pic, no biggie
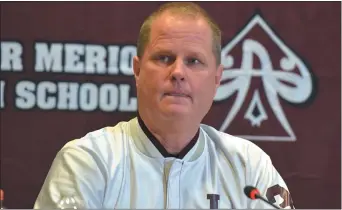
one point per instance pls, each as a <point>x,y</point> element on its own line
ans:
<point>193,61</point>
<point>164,59</point>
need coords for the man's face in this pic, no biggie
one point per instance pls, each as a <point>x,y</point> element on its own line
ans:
<point>177,76</point>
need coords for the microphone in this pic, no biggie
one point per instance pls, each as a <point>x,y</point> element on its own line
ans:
<point>253,193</point>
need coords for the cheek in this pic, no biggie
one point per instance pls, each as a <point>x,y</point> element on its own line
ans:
<point>205,86</point>
<point>150,81</point>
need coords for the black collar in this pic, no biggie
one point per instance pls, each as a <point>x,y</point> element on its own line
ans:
<point>161,148</point>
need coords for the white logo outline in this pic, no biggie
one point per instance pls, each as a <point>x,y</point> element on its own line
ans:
<point>272,86</point>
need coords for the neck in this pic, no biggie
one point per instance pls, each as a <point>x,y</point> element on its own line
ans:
<point>174,137</point>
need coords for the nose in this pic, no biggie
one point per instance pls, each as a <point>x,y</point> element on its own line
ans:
<point>178,71</point>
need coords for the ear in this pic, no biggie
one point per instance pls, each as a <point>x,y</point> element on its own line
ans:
<point>218,75</point>
<point>136,68</point>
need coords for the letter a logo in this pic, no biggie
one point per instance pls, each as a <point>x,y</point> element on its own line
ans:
<point>260,72</point>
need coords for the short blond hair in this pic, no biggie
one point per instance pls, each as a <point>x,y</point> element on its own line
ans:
<point>180,8</point>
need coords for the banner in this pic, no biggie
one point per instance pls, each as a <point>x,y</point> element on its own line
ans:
<point>66,70</point>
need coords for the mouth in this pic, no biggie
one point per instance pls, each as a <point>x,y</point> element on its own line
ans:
<point>177,94</point>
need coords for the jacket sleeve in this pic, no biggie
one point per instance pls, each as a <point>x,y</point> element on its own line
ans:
<point>265,177</point>
<point>76,179</point>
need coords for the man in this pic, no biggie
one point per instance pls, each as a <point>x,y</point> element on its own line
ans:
<point>165,158</point>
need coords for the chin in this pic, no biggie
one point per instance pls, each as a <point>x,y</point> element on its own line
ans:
<point>176,111</point>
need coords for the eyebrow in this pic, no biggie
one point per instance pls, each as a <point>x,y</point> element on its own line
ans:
<point>166,51</point>
<point>197,54</point>
<point>159,50</point>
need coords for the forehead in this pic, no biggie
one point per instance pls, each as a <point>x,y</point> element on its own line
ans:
<point>184,29</point>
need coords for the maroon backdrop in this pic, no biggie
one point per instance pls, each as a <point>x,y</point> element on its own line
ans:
<point>50,94</point>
